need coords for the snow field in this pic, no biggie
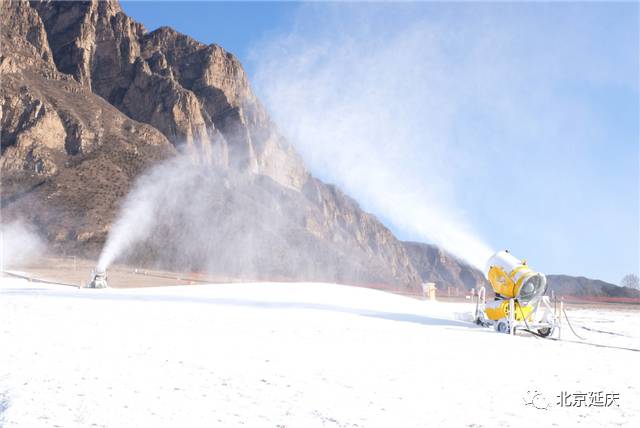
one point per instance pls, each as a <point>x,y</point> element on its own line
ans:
<point>294,355</point>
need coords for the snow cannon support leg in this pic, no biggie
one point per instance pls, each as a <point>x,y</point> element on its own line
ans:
<point>512,317</point>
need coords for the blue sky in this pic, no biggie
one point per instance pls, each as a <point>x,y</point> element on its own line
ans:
<point>235,25</point>
<point>516,123</point>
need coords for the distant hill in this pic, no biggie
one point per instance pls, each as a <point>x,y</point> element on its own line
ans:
<point>581,286</point>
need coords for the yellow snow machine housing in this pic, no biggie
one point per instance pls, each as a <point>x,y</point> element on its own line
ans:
<point>511,278</point>
<point>519,301</point>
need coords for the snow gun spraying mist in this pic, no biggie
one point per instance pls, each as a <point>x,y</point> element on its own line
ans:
<point>519,301</point>
<point>98,279</point>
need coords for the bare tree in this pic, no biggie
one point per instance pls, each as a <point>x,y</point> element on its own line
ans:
<point>631,280</point>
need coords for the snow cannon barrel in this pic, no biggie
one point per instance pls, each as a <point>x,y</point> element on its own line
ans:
<point>512,278</point>
<point>98,279</point>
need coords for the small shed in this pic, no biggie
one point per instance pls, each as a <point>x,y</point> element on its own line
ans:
<point>429,290</point>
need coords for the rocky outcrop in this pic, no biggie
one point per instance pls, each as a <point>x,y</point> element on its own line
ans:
<point>90,99</point>
<point>47,122</point>
<point>195,94</point>
<point>68,156</point>
<point>339,219</point>
<point>444,269</point>
<point>24,41</point>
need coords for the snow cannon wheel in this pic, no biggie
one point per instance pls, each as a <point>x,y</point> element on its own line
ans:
<point>502,327</point>
<point>545,332</point>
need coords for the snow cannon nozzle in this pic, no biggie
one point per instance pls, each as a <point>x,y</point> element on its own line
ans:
<point>513,278</point>
<point>98,279</point>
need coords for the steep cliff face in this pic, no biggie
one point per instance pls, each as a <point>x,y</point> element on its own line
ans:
<point>340,220</point>
<point>194,94</point>
<point>90,99</point>
<point>24,41</point>
<point>436,265</point>
<point>67,154</point>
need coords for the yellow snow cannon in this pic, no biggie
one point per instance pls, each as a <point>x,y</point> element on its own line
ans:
<point>519,297</point>
<point>511,278</point>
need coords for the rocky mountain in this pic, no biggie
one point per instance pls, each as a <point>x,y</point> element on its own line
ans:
<point>195,94</point>
<point>90,99</point>
<point>445,270</point>
<point>67,154</point>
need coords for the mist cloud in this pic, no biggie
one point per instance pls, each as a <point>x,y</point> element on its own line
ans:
<point>192,217</point>
<point>447,119</point>
<point>374,113</point>
<point>19,244</point>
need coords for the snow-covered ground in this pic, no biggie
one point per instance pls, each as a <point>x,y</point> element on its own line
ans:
<point>295,355</point>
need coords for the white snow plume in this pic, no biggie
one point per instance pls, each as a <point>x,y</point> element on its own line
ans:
<point>373,110</point>
<point>135,220</point>
<point>165,191</point>
<point>20,244</point>
<point>187,215</point>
